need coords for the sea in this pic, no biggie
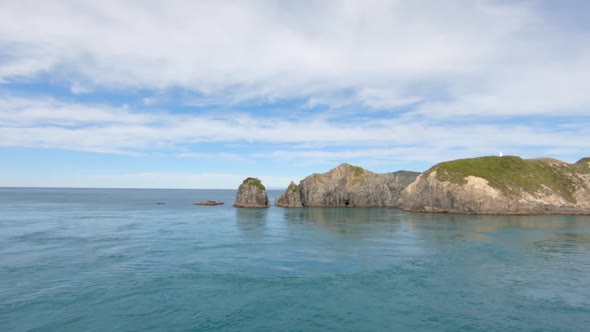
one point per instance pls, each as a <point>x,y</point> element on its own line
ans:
<point>149,260</point>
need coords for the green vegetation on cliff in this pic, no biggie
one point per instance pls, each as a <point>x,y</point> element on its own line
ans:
<point>254,182</point>
<point>293,187</point>
<point>514,175</point>
<point>357,171</point>
<point>583,165</point>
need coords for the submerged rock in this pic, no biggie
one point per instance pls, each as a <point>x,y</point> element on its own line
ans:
<point>251,194</point>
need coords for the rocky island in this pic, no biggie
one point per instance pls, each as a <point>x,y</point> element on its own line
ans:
<point>348,185</point>
<point>483,185</point>
<point>251,194</point>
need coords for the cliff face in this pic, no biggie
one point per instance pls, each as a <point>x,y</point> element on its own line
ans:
<point>485,185</point>
<point>251,194</point>
<point>290,198</point>
<point>348,185</point>
<point>502,185</point>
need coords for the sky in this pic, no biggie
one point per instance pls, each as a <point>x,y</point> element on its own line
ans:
<point>202,94</point>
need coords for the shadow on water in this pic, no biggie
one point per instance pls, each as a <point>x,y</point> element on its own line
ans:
<point>252,221</point>
<point>538,233</point>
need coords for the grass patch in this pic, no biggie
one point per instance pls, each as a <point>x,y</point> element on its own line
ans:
<point>293,187</point>
<point>513,175</point>
<point>254,182</point>
<point>357,171</point>
<point>583,165</point>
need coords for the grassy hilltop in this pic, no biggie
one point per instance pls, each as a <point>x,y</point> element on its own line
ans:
<point>513,175</point>
<point>254,182</point>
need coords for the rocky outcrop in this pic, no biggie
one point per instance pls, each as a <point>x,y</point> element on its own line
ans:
<point>208,203</point>
<point>251,194</point>
<point>348,185</point>
<point>291,197</point>
<point>502,185</point>
<point>485,185</point>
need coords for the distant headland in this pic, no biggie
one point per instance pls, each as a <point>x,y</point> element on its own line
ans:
<point>504,185</point>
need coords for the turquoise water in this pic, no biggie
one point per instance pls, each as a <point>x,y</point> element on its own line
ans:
<point>104,260</point>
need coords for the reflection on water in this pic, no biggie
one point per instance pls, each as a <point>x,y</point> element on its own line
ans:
<point>251,221</point>
<point>509,229</point>
<point>343,220</point>
<point>488,223</point>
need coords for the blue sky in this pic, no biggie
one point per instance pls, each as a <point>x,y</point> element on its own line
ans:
<point>187,94</point>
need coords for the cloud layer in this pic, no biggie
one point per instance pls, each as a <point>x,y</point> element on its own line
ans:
<point>99,128</point>
<point>388,53</point>
<point>322,81</point>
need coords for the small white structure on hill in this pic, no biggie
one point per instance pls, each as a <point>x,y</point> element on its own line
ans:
<point>501,154</point>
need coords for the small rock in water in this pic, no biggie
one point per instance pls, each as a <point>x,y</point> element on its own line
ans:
<point>208,203</point>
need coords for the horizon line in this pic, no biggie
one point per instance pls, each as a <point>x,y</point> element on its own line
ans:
<point>124,188</point>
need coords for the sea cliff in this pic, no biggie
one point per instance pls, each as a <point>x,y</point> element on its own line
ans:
<point>348,185</point>
<point>483,185</point>
<point>502,185</point>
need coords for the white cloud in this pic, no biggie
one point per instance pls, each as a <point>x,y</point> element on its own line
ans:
<point>218,156</point>
<point>385,98</point>
<point>49,123</point>
<point>490,54</point>
<point>78,88</point>
<point>31,111</point>
<point>459,70</point>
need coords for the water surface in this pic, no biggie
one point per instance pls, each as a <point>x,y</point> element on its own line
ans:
<point>98,260</point>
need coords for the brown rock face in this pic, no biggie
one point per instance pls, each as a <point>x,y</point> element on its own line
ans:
<point>431,195</point>
<point>475,195</point>
<point>484,185</point>
<point>251,194</point>
<point>348,185</point>
<point>291,197</point>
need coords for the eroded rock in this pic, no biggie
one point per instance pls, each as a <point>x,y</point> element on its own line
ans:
<point>348,185</point>
<point>502,185</point>
<point>251,194</point>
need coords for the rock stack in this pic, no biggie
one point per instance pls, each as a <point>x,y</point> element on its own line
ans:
<point>251,194</point>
